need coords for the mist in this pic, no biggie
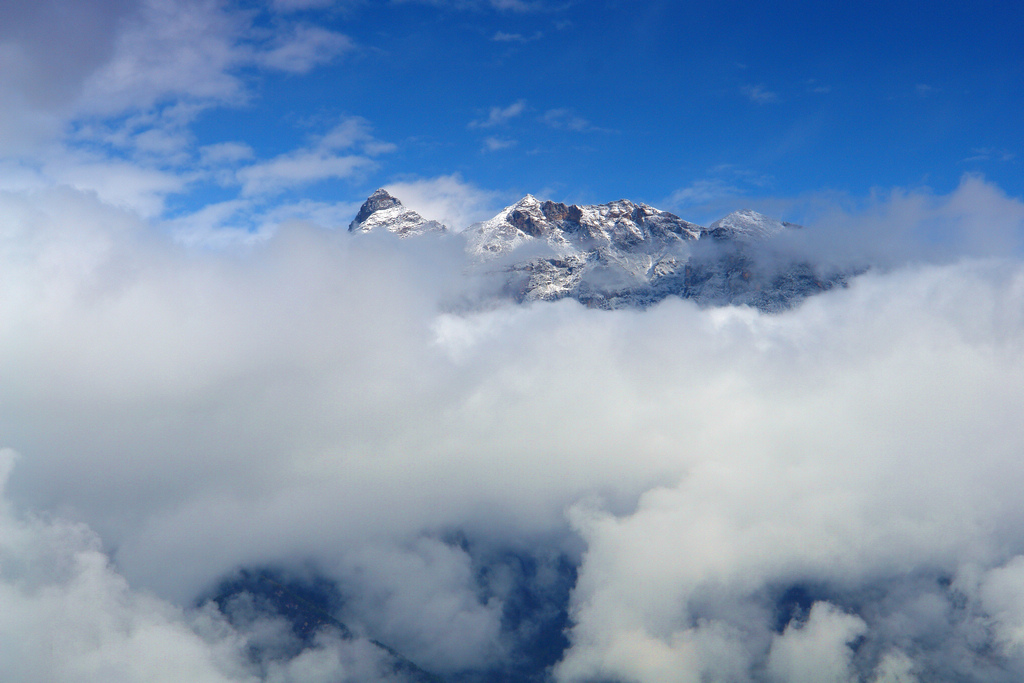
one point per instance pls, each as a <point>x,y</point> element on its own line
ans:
<point>827,493</point>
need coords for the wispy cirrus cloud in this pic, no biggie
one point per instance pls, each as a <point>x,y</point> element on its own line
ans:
<point>194,49</point>
<point>989,154</point>
<point>520,6</point>
<point>816,86</point>
<point>759,94</point>
<point>300,167</point>
<point>498,116</point>
<point>567,119</point>
<point>304,48</point>
<point>503,37</point>
<point>718,192</point>
<point>493,144</point>
<point>344,151</point>
<point>702,191</point>
<point>226,153</point>
<point>299,5</point>
<point>347,151</point>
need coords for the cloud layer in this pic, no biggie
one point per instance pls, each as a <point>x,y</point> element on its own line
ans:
<point>746,496</point>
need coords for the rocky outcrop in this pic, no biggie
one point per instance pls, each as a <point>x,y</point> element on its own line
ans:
<point>624,254</point>
<point>381,211</point>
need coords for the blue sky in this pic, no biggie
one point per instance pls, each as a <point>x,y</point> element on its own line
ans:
<point>217,115</point>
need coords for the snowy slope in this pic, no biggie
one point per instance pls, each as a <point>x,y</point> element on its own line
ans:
<point>381,211</point>
<point>621,226</point>
<point>622,254</point>
<point>747,225</point>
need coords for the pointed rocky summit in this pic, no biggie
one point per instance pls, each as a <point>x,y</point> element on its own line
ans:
<point>383,211</point>
<point>619,226</point>
<point>623,254</point>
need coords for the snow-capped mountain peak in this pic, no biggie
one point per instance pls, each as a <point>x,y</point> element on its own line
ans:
<point>569,229</point>
<point>383,211</point>
<point>621,253</point>
<point>747,225</point>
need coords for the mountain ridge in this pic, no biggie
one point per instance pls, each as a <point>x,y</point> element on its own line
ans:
<point>622,253</point>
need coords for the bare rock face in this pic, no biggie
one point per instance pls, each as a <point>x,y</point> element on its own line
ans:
<point>381,211</point>
<point>378,201</point>
<point>624,254</point>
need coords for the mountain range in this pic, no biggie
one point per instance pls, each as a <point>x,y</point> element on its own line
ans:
<point>622,254</point>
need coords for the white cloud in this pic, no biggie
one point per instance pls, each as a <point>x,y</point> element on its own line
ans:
<point>817,651</point>
<point>567,119</point>
<point>398,591</point>
<point>494,144</point>
<point>69,616</point>
<point>447,199</point>
<point>503,37</point>
<point>127,185</point>
<point>192,49</point>
<point>989,154</point>
<point>500,116</point>
<point>318,397</point>
<point>299,168</point>
<point>84,63</point>
<point>701,192</point>
<point>298,5</point>
<point>815,86</point>
<point>759,94</point>
<point>305,48</point>
<point>102,96</point>
<point>247,221</point>
<point>320,161</point>
<point>349,133</point>
<point>523,5</point>
<point>901,225</point>
<point>171,49</point>
<point>708,199</point>
<point>219,224</point>
<point>226,153</point>
<point>501,5</point>
<point>47,50</point>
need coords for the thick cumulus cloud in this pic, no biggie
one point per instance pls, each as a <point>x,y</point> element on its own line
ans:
<point>900,226</point>
<point>69,616</point>
<point>830,493</point>
<point>447,199</point>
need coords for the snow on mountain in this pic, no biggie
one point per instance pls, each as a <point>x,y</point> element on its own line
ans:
<point>382,211</point>
<point>622,254</point>
<point>622,226</point>
<point>747,225</point>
